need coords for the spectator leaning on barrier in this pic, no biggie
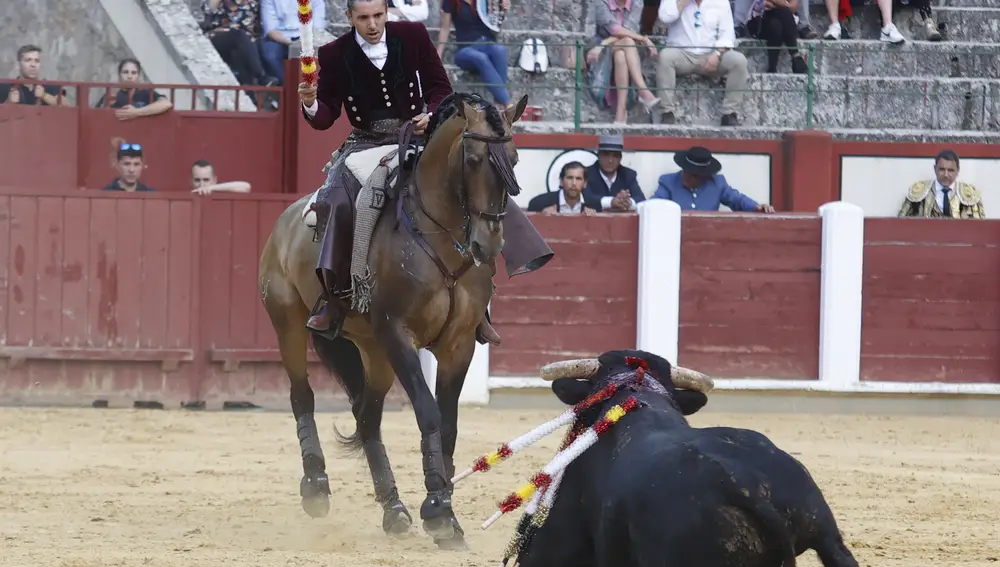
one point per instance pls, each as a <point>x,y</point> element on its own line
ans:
<point>134,102</point>
<point>486,57</point>
<point>774,22</point>
<point>700,40</point>
<point>204,182</point>
<point>568,200</point>
<point>29,66</point>
<point>944,196</point>
<point>130,164</point>
<point>279,21</point>
<point>610,183</point>
<point>617,29</point>
<point>698,186</point>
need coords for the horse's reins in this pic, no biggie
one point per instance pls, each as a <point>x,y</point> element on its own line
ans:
<point>501,164</point>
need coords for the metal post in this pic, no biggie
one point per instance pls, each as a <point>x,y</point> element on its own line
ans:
<point>810,86</point>
<point>577,119</point>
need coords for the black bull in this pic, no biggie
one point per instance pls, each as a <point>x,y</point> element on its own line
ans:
<point>653,491</point>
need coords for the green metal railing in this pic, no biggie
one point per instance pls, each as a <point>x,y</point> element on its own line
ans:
<point>861,100</point>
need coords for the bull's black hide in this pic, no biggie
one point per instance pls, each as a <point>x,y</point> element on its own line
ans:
<point>654,491</point>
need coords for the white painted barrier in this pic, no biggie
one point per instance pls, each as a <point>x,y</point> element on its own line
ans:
<point>658,313</point>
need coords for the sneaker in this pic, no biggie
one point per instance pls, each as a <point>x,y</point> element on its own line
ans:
<point>806,32</point>
<point>730,119</point>
<point>833,32</point>
<point>931,30</point>
<point>891,35</point>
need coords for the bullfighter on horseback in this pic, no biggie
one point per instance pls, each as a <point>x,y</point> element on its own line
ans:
<point>383,74</point>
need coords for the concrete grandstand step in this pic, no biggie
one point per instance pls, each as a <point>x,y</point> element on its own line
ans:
<point>779,100</point>
<point>765,133</point>
<point>967,24</point>
<point>968,3</point>
<point>878,59</point>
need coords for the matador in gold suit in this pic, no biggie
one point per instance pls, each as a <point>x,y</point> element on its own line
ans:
<point>930,199</point>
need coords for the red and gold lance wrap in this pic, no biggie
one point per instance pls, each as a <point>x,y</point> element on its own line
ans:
<point>307,62</point>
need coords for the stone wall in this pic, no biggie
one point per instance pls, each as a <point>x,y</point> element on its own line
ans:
<point>78,40</point>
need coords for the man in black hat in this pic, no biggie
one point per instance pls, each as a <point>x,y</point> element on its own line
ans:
<point>698,186</point>
<point>609,182</point>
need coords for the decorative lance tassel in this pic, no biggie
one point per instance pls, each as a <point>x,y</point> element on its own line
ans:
<point>562,459</point>
<point>307,59</point>
<point>484,463</point>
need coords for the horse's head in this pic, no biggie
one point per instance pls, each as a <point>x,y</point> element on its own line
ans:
<point>482,160</point>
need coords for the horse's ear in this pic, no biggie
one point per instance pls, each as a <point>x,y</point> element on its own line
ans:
<point>514,113</point>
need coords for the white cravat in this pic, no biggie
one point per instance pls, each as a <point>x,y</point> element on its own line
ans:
<point>377,53</point>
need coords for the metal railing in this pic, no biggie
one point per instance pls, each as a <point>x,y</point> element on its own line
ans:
<point>860,86</point>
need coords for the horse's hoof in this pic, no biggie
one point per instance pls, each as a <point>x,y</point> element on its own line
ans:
<point>396,520</point>
<point>437,515</point>
<point>439,528</point>
<point>315,492</point>
<point>456,542</point>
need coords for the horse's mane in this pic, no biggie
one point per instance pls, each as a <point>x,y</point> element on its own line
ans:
<point>450,105</point>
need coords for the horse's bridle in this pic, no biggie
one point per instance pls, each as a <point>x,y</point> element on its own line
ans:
<point>501,164</point>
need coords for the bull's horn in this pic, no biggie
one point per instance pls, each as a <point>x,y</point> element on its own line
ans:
<point>691,379</point>
<point>581,368</point>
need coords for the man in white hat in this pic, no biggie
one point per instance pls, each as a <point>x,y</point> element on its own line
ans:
<point>610,182</point>
<point>698,186</point>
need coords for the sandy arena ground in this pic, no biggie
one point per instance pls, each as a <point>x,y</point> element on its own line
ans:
<point>82,488</point>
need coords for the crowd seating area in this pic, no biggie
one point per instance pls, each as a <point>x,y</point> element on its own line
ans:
<point>860,85</point>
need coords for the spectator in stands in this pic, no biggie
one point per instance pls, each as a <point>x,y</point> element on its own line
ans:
<point>232,26</point>
<point>889,32</point>
<point>485,56</point>
<point>698,186</point>
<point>944,196</point>
<point>568,200</point>
<point>204,182</point>
<point>29,65</point>
<point>610,183</point>
<point>774,22</point>
<point>615,51</point>
<point>923,7</point>
<point>701,40</point>
<point>280,25</point>
<point>134,102</point>
<point>129,165</point>
<point>408,10</point>
<point>741,14</point>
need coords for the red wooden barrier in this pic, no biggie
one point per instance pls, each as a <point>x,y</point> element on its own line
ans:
<point>581,303</point>
<point>750,295</point>
<point>931,301</point>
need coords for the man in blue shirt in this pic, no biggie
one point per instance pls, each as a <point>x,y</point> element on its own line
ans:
<point>699,187</point>
<point>279,20</point>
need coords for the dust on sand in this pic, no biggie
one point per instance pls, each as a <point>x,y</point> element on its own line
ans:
<point>82,488</point>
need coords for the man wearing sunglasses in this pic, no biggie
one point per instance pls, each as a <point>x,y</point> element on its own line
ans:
<point>129,165</point>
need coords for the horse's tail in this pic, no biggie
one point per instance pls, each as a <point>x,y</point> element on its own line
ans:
<point>342,358</point>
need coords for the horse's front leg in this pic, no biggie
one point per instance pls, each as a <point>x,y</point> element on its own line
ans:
<point>436,511</point>
<point>288,318</point>
<point>453,365</point>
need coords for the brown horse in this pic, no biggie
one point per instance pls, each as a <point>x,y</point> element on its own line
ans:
<point>433,261</point>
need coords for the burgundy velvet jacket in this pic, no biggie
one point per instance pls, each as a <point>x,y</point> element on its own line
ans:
<point>348,78</point>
